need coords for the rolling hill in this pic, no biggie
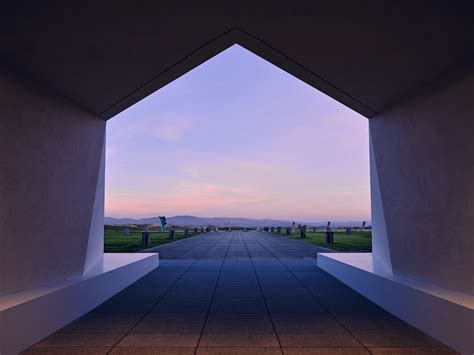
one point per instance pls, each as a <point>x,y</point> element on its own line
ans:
<point>191,221</point>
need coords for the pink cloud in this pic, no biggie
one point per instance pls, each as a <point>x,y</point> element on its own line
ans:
<point>198,197</point>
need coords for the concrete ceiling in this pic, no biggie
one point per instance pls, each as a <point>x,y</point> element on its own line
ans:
<point>107,55</point>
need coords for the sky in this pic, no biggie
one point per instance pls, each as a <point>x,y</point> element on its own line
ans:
<point>238,137</point>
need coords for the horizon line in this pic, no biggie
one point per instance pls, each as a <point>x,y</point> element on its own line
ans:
<point>266,218</point>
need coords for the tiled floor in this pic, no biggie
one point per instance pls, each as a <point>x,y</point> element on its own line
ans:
<point>238,293</point>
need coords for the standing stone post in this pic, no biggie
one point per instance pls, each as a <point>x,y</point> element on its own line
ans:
<point>302,231</point>
<point>272,229</point>
<point>279,230</point>
<point>288,230</point>
<point>195,230</point>
<point>145,238</point>
<point>329,234</point>
<point>126,231</point>
<point>186,232</point>
<point>172,234</point>
<point>329,237</point>
<point>348,231</point>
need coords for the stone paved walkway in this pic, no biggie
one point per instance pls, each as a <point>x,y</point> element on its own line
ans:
<point>238,293</point>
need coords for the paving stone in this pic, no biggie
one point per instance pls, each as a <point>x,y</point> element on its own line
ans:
<point>333,293</point>
<point>102,323</point>
<point>238,351</point>
<point>325,351</point>
<point>183,305</point>
<point>139,294</point>
<point>238,323</point>
<point>237,275</point>
<point>397,340</point>
<point>238,268</point>
<point>80,339</point>
<point>244,340</point>
<point>344,300</point>
<point>300,268</point>
<point>321,280</point>
<point>79,350</point>
<point>352,307</point>
<point>238,292</point>
<point>271,268</point>
<point>151,351</point>
<point>125,307</point>
<point>200,275</point>
<point>280,283</point>
<point>275,275</point>
<point>309,274</point>
<point>160,340</point>
<point>306,323</point>
<point>303,340</point>
<point>296,305</point>
<point>190,292</point>
<point>238,305</point>
<point>238,282</point>
<point>412,351</point>
<point>374,323</point>
<point>201,284</point>
<point>171,323</point>
<point>290,293</point>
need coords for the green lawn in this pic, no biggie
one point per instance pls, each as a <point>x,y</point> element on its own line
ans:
<point>358,241</point>
<point>116,242</point>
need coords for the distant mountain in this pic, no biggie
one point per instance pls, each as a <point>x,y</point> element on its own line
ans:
<point>192,221</point>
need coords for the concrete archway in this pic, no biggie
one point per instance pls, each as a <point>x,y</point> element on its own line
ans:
<point>67,69</point>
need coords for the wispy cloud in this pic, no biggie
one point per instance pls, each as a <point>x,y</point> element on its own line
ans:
<point>208,197</point>
<point>168,126</point>
<point>172,126</point>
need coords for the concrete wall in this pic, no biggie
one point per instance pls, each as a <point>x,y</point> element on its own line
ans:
<point>50,154</point>
<point>423,157</point>
<point>380,247</point>
<point>95,246</point>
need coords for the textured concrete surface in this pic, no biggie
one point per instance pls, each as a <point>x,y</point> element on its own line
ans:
<point>367,54</point>
<point>422,173</point>
<point>51,152</point>
<point>238,293</point>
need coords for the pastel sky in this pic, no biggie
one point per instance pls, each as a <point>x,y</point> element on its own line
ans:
<point>238,137</point>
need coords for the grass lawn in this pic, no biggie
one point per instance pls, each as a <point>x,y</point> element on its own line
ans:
<point>358,241</point>
<point>116,242</point>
